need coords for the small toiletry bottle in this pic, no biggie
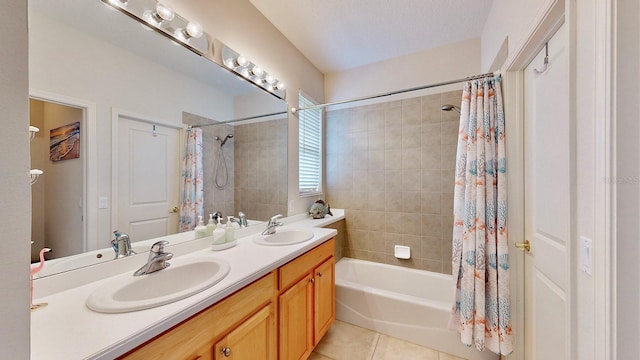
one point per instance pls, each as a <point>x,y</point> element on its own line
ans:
<point>211,225</point>
<point>229,234</point>
<point>201,230</point>
<point>219,233</point>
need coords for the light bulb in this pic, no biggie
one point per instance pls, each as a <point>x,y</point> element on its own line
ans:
<point>118,3</point>
<point>270,79</point>
<point>279,85</point>
<point>229,63</point>
<point>257,71</point>
<point>242,61</point>
<point>164,12</point>
<point>268,87</point>
<point>256,79</point>
<point>245,72</point>
<point>194,29</point>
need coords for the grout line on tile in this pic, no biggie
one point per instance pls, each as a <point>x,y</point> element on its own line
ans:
<point>374,345</point>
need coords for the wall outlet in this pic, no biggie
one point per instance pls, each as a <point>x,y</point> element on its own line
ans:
<point>585,254</point>
<point>103,202</point>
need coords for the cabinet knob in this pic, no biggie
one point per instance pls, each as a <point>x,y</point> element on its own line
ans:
<point>226,351</point>
<point>319,274</point>
<point>312,280</point>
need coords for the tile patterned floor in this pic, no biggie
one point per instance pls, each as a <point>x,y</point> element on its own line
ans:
<point>344,341</point>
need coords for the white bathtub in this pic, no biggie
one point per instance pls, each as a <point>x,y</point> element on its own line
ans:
<point>409,304</point>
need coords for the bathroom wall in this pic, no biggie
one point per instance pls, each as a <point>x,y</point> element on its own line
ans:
<point>14,183</point>
<point>261,168</point>
<point>38,146</point>
<point>512,20</point>
<point>390,166</point>
<point>627,180</point>
<point>57,196</point>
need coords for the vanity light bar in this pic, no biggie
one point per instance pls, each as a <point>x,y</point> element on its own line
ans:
<point>252,72</point>
<point>166,21</point>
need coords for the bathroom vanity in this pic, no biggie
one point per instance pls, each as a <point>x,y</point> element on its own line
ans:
<point>297,299</point>
<point>275,303</point>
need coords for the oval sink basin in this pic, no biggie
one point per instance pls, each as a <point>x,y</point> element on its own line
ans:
<point>185,277</point>
<point>283,237</point>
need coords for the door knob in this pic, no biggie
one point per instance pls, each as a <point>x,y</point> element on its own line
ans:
<point>174,209</point>
<point>526,245</point>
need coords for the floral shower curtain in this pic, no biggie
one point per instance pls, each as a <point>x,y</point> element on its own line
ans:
<point>481,312</point>
<point>192,198</point>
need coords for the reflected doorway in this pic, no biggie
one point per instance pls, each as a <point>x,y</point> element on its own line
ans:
<point>57,198</point>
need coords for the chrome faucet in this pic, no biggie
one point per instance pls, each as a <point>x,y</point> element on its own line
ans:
<point>272,225</point>
<point>121,245</point>
<point>241,220</point>
<point>157,259</point>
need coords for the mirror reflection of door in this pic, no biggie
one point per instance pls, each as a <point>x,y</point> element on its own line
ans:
<point>148,158</point>
<point>57,197</point>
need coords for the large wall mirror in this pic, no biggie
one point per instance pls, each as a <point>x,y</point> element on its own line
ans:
<point>132,93</point>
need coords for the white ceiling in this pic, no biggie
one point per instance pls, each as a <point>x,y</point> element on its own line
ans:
<point>337,35</point>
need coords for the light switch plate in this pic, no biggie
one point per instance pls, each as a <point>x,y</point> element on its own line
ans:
<point>585,254</point>
<point>103,202</point>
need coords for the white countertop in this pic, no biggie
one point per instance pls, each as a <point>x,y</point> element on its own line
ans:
<point>67,329</point>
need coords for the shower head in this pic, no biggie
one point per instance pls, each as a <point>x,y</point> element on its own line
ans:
<point>449,107</point>
<point>222,142</point>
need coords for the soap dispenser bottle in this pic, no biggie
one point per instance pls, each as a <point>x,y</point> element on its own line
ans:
<point>219,233</point>
<point>201,230</point>
<point>211,225</point>
<point>229,234</point>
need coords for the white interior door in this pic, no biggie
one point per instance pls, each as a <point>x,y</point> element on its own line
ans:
<point>147,178</point>
<point>548,198</point>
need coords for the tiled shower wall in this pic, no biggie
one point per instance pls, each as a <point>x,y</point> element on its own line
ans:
<point>391,167</point>
<point>261,169</point>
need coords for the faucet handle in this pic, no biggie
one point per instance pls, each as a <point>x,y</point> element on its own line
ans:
<point>274,218</point>
<point>158,247</point>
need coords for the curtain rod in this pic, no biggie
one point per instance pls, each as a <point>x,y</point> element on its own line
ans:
<point>240,119</point>
<point>474,77</point>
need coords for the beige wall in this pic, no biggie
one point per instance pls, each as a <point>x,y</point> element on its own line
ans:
<point>261,169</point>
<point>14,183</point>
<point>39,147</point>
<point>511,20</point>
<point>390,166</point>
<point>57,212</point>
<point>448,62</point>
<point>627,179</point>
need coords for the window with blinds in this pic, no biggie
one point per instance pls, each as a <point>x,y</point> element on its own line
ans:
<point>310,149</point>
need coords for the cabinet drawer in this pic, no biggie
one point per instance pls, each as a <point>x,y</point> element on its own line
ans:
<point>187,339</point>
<point>293,270</point>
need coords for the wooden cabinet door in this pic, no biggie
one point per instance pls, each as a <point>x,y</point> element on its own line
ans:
<point>254,339</point>
<point>296,320</point>
<point>324,299</point>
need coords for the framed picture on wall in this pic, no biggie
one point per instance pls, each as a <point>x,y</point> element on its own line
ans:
<point>64,142</point>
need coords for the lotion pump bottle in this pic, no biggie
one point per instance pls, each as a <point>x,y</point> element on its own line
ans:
<point>219,233</point>
<point>201,230</point>
<point>229,234</point>
<point>211,225</point>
